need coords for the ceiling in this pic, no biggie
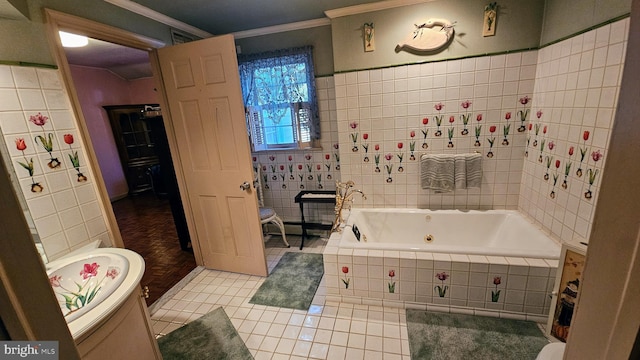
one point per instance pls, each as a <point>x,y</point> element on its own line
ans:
<point>215,17</point>
<point>227,16</point>
<point>128,63</point>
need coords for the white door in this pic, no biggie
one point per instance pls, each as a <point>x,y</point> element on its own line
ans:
<point>205,103</point>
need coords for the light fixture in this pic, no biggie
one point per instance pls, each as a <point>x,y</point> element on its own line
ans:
<point>73,40</point>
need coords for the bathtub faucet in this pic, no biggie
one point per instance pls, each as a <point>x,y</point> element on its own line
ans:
<point>344,199</point>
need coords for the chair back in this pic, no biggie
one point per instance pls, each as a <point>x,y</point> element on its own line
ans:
<point>257,184</point>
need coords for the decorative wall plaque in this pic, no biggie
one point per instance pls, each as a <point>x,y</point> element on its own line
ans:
<point>432,35</point>
<point>490,18</point>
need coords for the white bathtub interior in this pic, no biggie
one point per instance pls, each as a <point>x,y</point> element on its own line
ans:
<point>492,232</point>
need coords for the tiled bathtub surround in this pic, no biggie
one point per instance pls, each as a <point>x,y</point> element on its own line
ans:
<point>573,83</point>
<point>66,211</point>
<point>468,283</point>
<point>389,105</point>
<point>576,86</point>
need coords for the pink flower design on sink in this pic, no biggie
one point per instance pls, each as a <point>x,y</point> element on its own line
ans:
<point>81,285</point>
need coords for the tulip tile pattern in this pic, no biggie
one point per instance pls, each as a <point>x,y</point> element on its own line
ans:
<point>147,227</point>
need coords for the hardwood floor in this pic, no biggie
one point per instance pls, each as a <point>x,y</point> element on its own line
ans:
<point>147,227</point>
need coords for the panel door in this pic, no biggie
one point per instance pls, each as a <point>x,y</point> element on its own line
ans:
<point>205,103</point>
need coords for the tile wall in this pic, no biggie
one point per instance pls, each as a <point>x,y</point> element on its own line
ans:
<point>285,173</point>
<point>576,90</point>
<point>62,200</point>
<point>383,109</point>
<point>519,286</point>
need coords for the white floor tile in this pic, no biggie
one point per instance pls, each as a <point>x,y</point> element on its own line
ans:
<point>328,330</point>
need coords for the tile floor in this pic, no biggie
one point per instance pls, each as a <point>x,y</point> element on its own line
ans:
<point>328,330</point>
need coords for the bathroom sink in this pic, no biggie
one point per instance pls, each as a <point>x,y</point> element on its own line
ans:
<point>89,286</point>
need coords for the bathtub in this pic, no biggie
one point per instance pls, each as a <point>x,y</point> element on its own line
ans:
<point>470,232</point>
<point>489,263</point>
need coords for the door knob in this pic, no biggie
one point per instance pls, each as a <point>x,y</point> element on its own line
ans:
<point>245,186</point>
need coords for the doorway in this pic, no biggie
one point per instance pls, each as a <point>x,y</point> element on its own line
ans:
<point>142,221</point>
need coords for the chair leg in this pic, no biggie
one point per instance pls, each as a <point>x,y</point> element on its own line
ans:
<point>280,224</point>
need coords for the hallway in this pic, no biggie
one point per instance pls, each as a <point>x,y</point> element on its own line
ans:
<point>147,227</point>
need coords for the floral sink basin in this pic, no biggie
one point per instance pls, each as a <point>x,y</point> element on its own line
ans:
<point>91,285</point>
<point>83,284</point>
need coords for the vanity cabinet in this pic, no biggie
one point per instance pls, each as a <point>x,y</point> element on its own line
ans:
<point>126,334</point>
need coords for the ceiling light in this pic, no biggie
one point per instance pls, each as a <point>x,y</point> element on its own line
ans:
<point>73,40</point>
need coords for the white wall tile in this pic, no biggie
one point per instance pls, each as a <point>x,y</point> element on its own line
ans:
<point>31,99</point>
<point>55,208</point>
<point>6,77</point>
<point>12,122</point>
<point>10,100</point>
<point>25,77</point>
<point>49,79</point>
<point>580,101</point>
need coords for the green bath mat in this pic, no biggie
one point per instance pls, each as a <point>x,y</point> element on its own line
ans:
<point>443,336</point>
<point>292,283</point>
<point>211,337</point>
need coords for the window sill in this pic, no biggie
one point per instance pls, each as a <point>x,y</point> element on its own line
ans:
<point>311,148</point>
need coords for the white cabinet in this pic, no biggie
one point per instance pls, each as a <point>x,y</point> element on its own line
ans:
<point>126,334</point>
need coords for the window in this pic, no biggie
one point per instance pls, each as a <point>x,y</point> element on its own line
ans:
<point>279,95</point>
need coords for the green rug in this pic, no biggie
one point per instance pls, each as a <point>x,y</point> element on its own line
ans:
<point>292,283</point>
<point>209,337</point>
<point>455,336</point>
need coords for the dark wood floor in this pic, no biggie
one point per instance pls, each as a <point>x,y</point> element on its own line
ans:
<point>147,227</point>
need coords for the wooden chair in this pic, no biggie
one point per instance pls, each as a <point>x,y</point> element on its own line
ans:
<point>267,214</point>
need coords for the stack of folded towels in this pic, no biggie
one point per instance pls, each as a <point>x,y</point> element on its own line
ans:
<point>447,172</point>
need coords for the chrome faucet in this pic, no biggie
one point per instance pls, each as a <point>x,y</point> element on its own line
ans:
<point>344,199</point>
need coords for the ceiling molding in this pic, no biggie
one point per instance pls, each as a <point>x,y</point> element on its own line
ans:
<point>161,18</point>
<point>307,24</point>
<point>365,8</point>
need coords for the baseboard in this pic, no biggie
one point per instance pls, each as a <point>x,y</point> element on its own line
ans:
<point>118,197</point>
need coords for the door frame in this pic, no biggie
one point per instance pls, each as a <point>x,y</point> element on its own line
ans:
<point>55,21</point>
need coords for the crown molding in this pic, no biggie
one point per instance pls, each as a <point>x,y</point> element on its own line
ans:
<point>307,24</point>
<point>376,6</point>
<point>161,18</point>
